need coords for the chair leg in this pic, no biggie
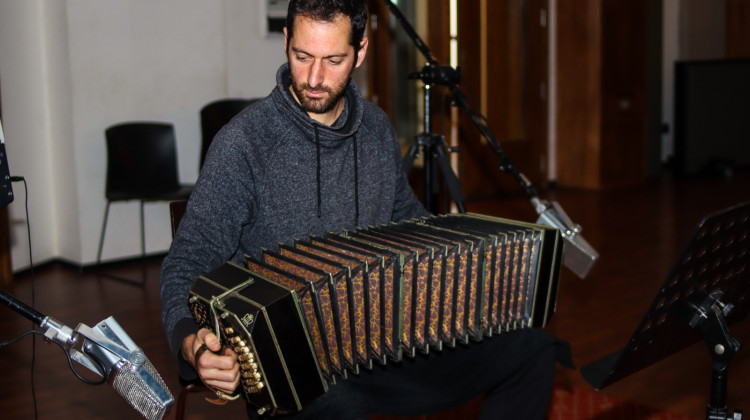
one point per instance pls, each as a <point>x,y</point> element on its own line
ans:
<point>143,251</point>
<point>101,238</point>
<point>144,274</point>
<point>143,234</point>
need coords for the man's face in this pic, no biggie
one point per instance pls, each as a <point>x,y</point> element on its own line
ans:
<point>321,63</point>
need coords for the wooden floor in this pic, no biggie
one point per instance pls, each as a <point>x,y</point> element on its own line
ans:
<point>639,232</point>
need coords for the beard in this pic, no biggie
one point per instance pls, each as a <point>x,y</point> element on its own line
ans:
<point>318,105</point>
<point>323,104</point>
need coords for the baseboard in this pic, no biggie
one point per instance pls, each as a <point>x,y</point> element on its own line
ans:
<point>87,267</point>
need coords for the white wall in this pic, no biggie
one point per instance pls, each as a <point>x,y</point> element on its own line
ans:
<point>70,68</point>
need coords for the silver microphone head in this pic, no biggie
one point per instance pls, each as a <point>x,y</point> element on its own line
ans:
<point>578,255</point>
<point>142,387</point>
<point>125,366</point>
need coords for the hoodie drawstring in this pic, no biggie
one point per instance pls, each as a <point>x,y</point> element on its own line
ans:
<point>356,183</point>
<point>317,152</point>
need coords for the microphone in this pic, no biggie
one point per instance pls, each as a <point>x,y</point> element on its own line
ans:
<point>578,255</point>
<point>109,352</point>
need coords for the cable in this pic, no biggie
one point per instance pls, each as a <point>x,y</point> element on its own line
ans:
<point>99,364</point>
<point>33,289</point>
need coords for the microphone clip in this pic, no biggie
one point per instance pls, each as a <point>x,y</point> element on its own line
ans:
<point>107,343</point>
<point>578,255</point>
<point>108,351</point>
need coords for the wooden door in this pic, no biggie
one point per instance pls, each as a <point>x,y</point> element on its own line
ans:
<point>738,29</point>
<point>503,50</point>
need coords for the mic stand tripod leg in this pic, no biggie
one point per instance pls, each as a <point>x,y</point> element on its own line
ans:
<point>434,155</point>
<point>451,180</point>
<point>408,160</point>
<point>431,186</point>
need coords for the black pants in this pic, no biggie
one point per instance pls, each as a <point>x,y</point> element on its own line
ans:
<point>513,371</point>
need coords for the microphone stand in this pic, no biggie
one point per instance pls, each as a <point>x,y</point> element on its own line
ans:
<point>578,255</point>
<point>433,147</point>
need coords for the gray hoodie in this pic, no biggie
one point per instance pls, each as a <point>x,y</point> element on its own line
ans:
<point>273,174</point>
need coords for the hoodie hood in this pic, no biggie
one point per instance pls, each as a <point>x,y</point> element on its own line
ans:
<point>333,136</point>
<point>345,126</point>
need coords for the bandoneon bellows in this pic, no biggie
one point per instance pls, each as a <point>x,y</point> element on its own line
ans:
<point>312,312</point>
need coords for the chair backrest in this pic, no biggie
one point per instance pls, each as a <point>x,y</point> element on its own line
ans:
<point>215,115</point>
<point>141,159</point>
<point>176,211</point>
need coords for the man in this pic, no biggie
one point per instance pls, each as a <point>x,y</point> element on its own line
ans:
<point>314,157</point>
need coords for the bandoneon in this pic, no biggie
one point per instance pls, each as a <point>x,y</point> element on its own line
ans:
<point>310,313</point>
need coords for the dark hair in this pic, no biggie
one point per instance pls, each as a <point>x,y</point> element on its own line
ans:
<point>327,10</point>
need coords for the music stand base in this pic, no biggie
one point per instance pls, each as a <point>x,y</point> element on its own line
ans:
<point>707,312</point>
<point>700,297</point>
<point>722,414</point>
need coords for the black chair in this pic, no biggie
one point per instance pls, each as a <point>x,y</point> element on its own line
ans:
<point>176,211</point>
<point>215,115</point>
<point>141,165</point>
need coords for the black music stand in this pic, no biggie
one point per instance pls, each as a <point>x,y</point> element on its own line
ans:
<point>707,289</point>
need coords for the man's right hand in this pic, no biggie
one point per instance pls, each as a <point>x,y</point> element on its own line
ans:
<point>218,369</point>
